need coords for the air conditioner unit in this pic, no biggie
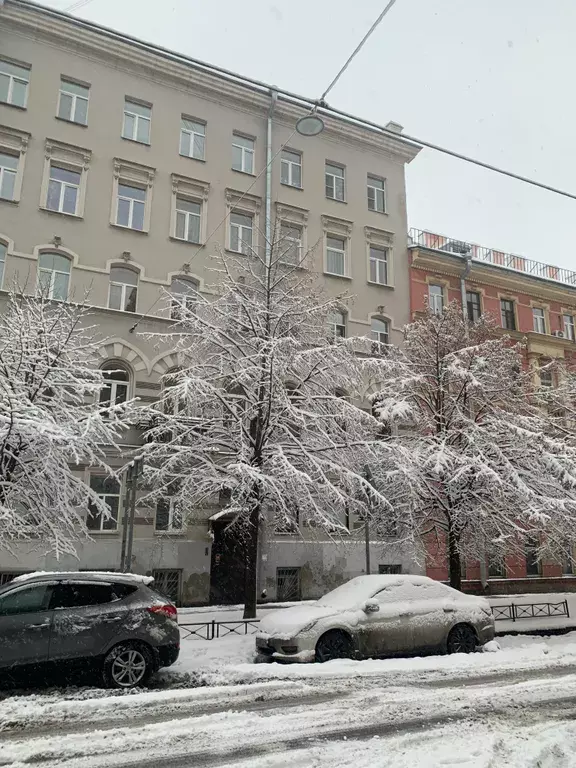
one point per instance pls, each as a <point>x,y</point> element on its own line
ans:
<point>559,334</point>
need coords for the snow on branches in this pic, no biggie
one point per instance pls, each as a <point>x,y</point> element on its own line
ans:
<point>51,420</point>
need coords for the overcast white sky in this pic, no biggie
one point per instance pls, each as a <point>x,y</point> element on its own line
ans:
<point>490,78</point>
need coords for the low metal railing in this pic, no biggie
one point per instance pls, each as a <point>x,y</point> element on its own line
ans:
<point>476,252</point>
<point>515,611</point>
<point>212,630</point>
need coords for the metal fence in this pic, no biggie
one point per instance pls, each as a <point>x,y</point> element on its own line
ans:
<point>212,630</point>
<point>514,612</point>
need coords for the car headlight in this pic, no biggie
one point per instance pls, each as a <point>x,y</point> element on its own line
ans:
<point>308,627</point>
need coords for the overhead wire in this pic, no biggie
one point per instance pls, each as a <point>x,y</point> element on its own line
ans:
<point>76,6</point>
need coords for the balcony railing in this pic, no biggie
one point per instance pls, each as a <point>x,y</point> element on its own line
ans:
<point>437,242</point>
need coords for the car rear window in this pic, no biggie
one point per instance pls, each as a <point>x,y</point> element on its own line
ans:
<point>123,590</point>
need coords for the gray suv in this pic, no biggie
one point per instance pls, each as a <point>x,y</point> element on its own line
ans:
<point>116,621</point>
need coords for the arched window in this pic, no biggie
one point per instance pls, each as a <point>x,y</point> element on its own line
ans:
<point>380,330</point>
<point>117,382</point>
<point>53,276</point>
<point>184,292</point>
<point>123,289</point>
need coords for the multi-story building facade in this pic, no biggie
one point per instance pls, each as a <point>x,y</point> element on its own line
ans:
<point>531,301</point>
<point>123,169</point>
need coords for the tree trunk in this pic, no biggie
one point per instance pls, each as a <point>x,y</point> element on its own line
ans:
<point>251,562</point>
<point>454,564</point>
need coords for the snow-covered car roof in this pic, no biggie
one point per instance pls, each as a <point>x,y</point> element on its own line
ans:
<point>362,587</point>
<point>86,575</point>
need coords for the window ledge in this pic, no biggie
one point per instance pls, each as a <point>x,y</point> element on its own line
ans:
<point>380,213</point>
<point>340,277</point>
<point>335,200</point>
<point>8,200</point>
<point>103,533</point>
<point>135,141</point>
<point>170,533</point>
<point>189,157</point>
<point>380,285</point>
<point>61,213</point>
<point>129,229</point>
<point>14,106</point>
<point>239,253</point>
<point>244,173</point>
<point>71,122</point>
<point>293,186</point>
<point>185,242</point>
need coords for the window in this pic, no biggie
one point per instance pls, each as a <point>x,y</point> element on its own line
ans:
<point>137,119</point>
<point>389,569</point>
<point>8,171</point>
<point>130,207</point>
<point>192,138</point>
<point>184,297</point>
<point>335,188</point>
<point>376,194</point>
<point>242,154</point>
<point>290,244</point>
<point>507,314</point>
<point>53,276</point>
<point>73,102</point>
<point>108,490</point>
<point>81,595</point>
<point>167,582</point>
<point>380,331</point>
<point>335,255</point>
<point>496,566</point>
<point>569,327</point>
<point>473,306</point>
<point>14,79</point>
<point>3,250</point>
<point>546,378</point>
<point>291,168</point>
<point>531,553</point>
<point>169,515</point>
<point>436,299</point>
<point>288,584</point>
<point>123,289</point>
<point>63,189</point>
<point>188,218</point>
<point>378,265</point>
<point>116,383</point>
<point>26,600</point>
<point>241,233</point>
<point>337,324</point>
<point>539,319</point>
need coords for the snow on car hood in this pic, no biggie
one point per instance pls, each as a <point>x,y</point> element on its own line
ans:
<point>287,622</point>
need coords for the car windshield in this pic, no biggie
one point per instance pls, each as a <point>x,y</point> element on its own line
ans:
<point>348,595</point>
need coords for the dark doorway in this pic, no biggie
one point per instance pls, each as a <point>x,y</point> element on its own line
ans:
<point>227,566</point>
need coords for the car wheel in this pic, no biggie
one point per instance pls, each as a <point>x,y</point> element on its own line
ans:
<point>127,666</point>
<point>334,645</point>
<point>462,639</point>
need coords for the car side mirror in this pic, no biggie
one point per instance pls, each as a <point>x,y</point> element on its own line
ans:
<point>371,606</point>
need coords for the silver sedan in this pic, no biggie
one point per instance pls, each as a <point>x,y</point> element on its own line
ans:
<point>372,616</point>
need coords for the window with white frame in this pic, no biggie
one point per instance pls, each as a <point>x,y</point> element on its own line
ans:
<point>137,119</point>
<point>376,194</point>
<point>116,384</point>
<point>169,516</point>
<point>337,325</point>
<point>53,276</point>
<point>335,182</point>
<point>436,299</point>
<point>291,168</point>
<point>290,243</point>
<point>335,255</point>
<point>73,102</point>
<point>241,232</point>
<point>380,330</point>
<point>378,265</point>
<point>3,250</point>
<point>545,374</point>
<point>184,296</point>
<point>192,138</point>
<point>123,289</point>
<point>242,153</point>
<point>108,490</point>
<point>188,220</point>
<point>130,208</point>
<point>14,82</point>
<point>8,171</point>
<point>63,190</point>
<point>569,327</point>
<point>539,319</point>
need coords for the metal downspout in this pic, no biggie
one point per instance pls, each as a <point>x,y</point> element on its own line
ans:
<point>268,192</point>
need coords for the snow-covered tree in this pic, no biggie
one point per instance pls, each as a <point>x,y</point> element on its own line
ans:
<point>265,405</point>
<point>51,420</point>
<point>485,468</point>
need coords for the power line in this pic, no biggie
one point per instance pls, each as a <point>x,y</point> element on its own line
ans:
<point>76,6</point>
<point>357,49</point>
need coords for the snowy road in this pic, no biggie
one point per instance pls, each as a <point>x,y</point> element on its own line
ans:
<point>516,708</point>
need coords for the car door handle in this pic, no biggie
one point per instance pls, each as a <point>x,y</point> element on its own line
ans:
<point>39,626</point>
<point>449,609</point>
<point>112,619</point>
<point>404,614</point>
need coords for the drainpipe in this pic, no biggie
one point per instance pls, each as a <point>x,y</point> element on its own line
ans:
<point>268,193</point>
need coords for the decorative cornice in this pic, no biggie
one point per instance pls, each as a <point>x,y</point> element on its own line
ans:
<point>379,235</point>
<point>186,185</point>
<point>62,151</point>
<point>134,171</point>
<point>332,223</point>
<point>235,197</point>
<point>292,212</point>
<point>14,139</point>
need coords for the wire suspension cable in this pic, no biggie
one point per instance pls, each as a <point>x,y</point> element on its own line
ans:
<point>357,49</point>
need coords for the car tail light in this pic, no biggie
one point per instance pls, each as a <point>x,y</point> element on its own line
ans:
<point>165,609</point>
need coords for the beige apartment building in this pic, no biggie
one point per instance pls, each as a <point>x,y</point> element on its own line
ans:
<point>123,168</point>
